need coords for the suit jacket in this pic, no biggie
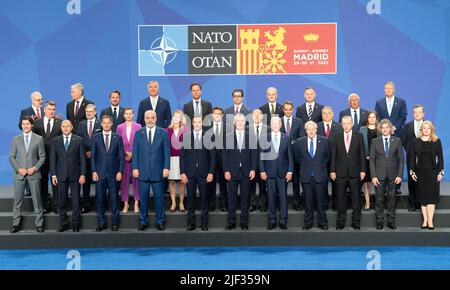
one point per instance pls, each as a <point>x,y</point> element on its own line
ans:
<point>151,159</point>
<point>67,166</point>
<point>193,161</point>
<point>351,163</point>
<point>334,129</point>
<point>163,112</point>
<point>219,142</point>
<point>382,166</point>
<point>407,136</point>
<point>317,166</point>
<point>122,131</point>
<point>316,115</point>
<point>398,114</point>
<point>363,130</point>
<point>29,112</point>
<point>437,159</point>
<point>262,142</point>
<point>233,157</point>
<point>39,128</point>
<point>362,117</point>
<point>83,132</point>
<point>107,163</point>
<point>81,116</point>
<point>297,128</point>
<point>244,110</point>
<point>188,108</point>
<point>116,121</point>
<point>20,158</point>
<point>277,165</point>
<point>266,111</point>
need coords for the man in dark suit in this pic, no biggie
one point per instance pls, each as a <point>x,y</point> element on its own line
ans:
<point>386,168</point>
<point>68,169</point>
<point>348,168</point>
<point>258,132</point>
<point>48,128</point>
<point>197,166</point>
<point>272,107</point>
<point>312,152</point>
<point>35,111</point>
<point>151,163</point>
<point>197,106</point>
<point>155,103</point>
<point>107,162</point>
<point>358,114</point>
<point>276,165</point>
<point>294,128</point>
<point>76,109</point>
<point>115,110</point>
<point>310,110</point>
<point>86,130</point>
<point>392,108</point>
<point>238,106</point>
<point>239,164</point>
<point>411,131</point>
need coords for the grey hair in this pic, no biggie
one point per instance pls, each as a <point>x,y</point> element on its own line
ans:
<point>271,89</point>
<point>311,123</point>
<point>353,94</point>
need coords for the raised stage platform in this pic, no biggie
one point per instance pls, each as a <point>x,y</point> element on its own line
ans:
<point>407,234</point>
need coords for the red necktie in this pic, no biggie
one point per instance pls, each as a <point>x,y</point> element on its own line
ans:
<point>288,127</point>
<point>90,129</point>
<point>38,113</point>
<point>328,130</point>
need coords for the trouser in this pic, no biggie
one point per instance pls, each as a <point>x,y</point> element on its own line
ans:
<point>63,191</point>
<point>315,191</point>
<point>223,195</point>
<point>341,199</point>
<point>87,184</point>
<point>412,201</point>
<point>45,170</point>
<point>158,197</point>
<point>277,187</point>
<point>110,184</point>
<point>296,200</point>
<point>386,186</point>
<point>125,184</point>
<point>243,182</point>
<point>191,186</point>
<point>19,191</point>
<point>262,200</point>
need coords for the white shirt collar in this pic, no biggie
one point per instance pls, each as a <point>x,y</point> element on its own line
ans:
<point>70,136</point>
<point>349,133</point>
<point>390,99</point>
<point>154,98</point>
<point>328,123</point>
<point>80,101</point>
<point>199,101</point>
<point>104,133</point>
<point>310,103</point>
<point>197,132</point>
<point>117,107</point>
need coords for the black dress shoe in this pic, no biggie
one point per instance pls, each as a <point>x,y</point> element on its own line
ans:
<point>63,228</point>
<point>204,227</point>
<point>323,227</point>
<point>76,228</point>
<point>271,226</point>
<point>223,209</point>
<point>356,227</point>
<point>14,229</point>
<point>114,228</point>
<point>40,229</point>
<point>431,228</point>
<point>160,227</point>
<point>229,227</point>
<point>100,228</point>
<point>212,208</point>
<point>340,227</point>
<point>251,209</point>
<point>283,226</point>
<point>391,226</point>
<point>263,209</point>
<point>307,227</point>
<point>424,227</point>
<point>296,207</point>
<point>244,227</point>
<point>56,211</point>
<point>379,226</point>
<point>85,209</point>
<point>142,227</point>
<point>191,227</point>
<point>411,209</point>
<point>47,210</point>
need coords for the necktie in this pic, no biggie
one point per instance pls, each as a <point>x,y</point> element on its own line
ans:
<point>417,129</point>
<point>288,126</point>
<point>311,148</point>
<point>48,130</point>
<point>355,118</point>
<point>386,146</point>
<point>150,140</point>
<point>38,113</point>
<point>257,136</point>
<point>77,107</point>
<point>347,142</point>
<point>272,109</point>
<point>328,131</point>
<point>115,113</point>
<point>107,142</point>
<point>276,144</point>
<point>90,129</point>
<point>198,144</point>
<point>197,109</point>
<point>216,132</point>
<point>389,107</point>
<point>236,111</point>
<point>66,144</point>
<point>240,142</point>
<point>27,142</point>
<point>309,111</point>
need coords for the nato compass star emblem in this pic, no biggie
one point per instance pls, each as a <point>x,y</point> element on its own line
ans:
<point>163,50</point>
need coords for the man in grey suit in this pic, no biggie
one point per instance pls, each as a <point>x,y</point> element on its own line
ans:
<point>27,156</point>
<point>386,169</point>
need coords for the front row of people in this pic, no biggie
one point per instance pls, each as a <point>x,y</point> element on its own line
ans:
<point>147,161</point>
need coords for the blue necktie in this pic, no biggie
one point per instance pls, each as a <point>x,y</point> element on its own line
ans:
<point>276,144</point>
<point>66,144</point>
<point>386,146</point>
<point>27,142</point>
<point>311,149</point>
<point>355,119</point>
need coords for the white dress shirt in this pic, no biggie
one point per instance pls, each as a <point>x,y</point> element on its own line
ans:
<point>314,143</point>
<point>358,114</point>
<point>52,121</point>
<point>313,104</point>
<point>215,126</point>
<point>152,132</point>
<point>390,104</point>
<point>128,132</point>
<point>325,126</point>
<point>199,105</point>
<point>260,128</point>
<point>154,102</point>
<point>278,138</point>
<point>417,125</point>
<point>80,101</point>
<point>117,110</point>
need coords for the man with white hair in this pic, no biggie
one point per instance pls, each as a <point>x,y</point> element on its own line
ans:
<point>35,111</point>
<point>358,114</point>
<point>75,110</point>
<point>272,107</point>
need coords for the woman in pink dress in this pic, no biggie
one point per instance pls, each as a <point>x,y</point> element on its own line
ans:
<point>127,130</point>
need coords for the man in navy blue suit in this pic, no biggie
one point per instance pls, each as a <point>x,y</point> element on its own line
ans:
<point>197,166</point>
<point>313,153</point>
<point>358,114</point>
<point>310,110</point>
<point>238,106</point>
<point>392,108</point>
<point>155,103</point>
<point>107,163</point>
<point>151,163</point>
<point>239,164</point>
<point>276,165</point>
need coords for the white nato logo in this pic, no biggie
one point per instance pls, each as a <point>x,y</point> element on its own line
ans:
<point>163,50</point>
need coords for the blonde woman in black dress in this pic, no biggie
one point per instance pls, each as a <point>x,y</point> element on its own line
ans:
<point>427,170</point>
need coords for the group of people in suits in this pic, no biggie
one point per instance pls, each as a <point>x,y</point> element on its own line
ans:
<point>202,145</point>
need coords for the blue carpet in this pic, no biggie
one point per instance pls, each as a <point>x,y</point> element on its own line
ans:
<point>231,258</point>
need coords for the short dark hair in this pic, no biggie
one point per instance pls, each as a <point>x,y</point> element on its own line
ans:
<point>290,103</point>
<point>106,117</point>
<point>26,118</point>
<point>116,92</point>
<point>238,91</point>
<point>195,84</point>
<point>218,108</point>
<point>128,109</point>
